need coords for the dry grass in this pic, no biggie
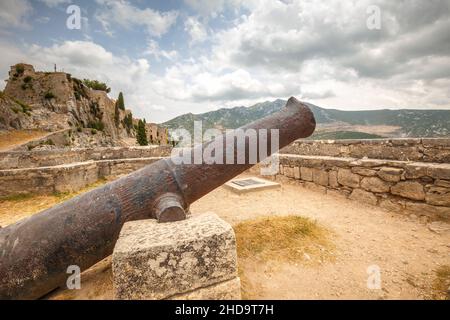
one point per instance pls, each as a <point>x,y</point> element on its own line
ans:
<point>286,238</point>
<point>269,240</point>
<point>14,208</point>
<point>442,283</point>
<point>15,138</point>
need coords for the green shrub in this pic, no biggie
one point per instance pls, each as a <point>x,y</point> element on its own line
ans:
<point>20,68</point>
<point>27,79</point>
<point>93,131</point>
<point>96,85</point>
<point>49,95</point>
<point>23,107</point>
<point>98,125</point>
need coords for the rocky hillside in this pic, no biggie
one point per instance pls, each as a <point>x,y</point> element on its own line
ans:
<point>56,101</point>
<point>336,123</point>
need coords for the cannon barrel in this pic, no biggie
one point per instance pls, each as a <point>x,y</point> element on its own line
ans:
<point>36,251</point>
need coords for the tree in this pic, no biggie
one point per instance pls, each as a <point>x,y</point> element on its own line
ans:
<point>141,135</point>
<point>120,102</point>
<point>116,115</point>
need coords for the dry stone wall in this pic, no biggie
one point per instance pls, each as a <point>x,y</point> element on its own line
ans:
<point>44,158</point>
<point>54,171</point>
<point>409,149</point>
<point>411,187</point>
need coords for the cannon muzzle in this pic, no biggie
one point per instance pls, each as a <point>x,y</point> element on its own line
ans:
<point>35,252</point>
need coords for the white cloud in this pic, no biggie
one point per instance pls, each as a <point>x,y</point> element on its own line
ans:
<point>154,50</point>
<point>124,14</point>
<point>14,13</point>
<point>195,29</point>
<point>55,3</point>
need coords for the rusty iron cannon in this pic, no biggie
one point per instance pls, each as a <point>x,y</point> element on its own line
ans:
<point>35,252</point>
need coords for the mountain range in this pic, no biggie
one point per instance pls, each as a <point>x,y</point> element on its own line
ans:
<point>331,123</point>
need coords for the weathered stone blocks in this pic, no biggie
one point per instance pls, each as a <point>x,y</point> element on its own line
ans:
<point>390,174</point>
<point>347,178</point>
<point>154,260</point>
<point>306,174</point>
<point>438,196</point>
<point>320,177</point>
<point>409,189</point>
<point>375,184</point>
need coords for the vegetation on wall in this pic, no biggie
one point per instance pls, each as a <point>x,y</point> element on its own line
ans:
<point>96,85</point>
<point>128,122</point>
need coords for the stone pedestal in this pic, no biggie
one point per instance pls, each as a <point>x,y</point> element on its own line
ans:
<point>190,259</point>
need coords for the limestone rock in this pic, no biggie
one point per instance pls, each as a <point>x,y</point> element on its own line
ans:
<point>374,184</point>
<point>390,174</point>
<point>333,179</point>
<point>364,171</point>
<point>391,205</point>
<point>288,172</point>
<point>297,173</point>
<point>409,189</point>
<point>363,196</point>
<point>320,176</point>
<point>306,174</point>
<point>434,212</point>
<point>347,178</point>
<point>227,290</point>
<point>154,260</point>
<point>438,196</point>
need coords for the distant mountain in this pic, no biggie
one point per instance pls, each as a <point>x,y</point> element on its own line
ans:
<point>331,122</point>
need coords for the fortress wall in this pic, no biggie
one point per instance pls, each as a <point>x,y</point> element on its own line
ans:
<point>419,188</point>
<point>43,158</point>
<point>65,178</point>
<point>408,149</point>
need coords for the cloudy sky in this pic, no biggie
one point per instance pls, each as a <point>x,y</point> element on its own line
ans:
<point>172,57</point>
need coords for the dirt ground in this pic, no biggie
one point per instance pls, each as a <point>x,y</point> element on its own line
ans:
<point>12,139</point>
<point>405,251</point>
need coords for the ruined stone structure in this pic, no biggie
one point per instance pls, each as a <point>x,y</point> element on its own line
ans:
<point>50,171</point>
<point>58,102</point>
<point>410,176</point>
<point>157,134</point>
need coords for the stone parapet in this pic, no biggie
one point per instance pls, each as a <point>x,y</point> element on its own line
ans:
<point>65,178</point>
<point>45,158</point>
<point>403,149</point>
<point>418,188</point>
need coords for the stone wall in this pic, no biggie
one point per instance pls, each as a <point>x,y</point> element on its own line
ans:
<point>65,178</point>
<point>419,149</point>
<point>44,158</point>
<point>419,188</point>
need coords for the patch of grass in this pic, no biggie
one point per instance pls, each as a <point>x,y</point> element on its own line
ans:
<point>442,283</point>
<point>286,238</point>
<point>24,107</point>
